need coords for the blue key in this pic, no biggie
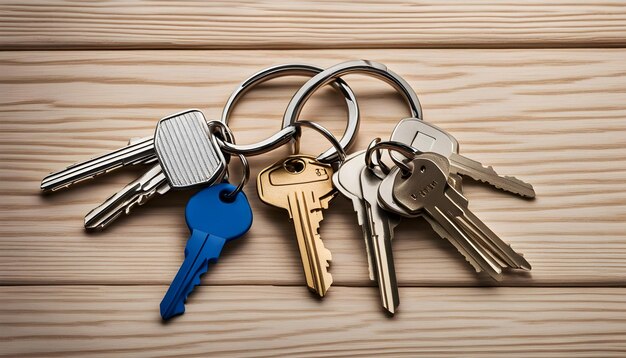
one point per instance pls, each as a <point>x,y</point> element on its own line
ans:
<point>212,221</point>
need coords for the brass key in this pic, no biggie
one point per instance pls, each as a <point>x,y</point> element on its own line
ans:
<point>303,186</point>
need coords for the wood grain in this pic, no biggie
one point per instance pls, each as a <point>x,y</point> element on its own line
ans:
<point>65,24</point>
<point>552,117</point>
<point>263,321</point>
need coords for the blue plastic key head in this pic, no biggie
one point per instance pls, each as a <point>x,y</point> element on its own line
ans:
<point>213,220</point>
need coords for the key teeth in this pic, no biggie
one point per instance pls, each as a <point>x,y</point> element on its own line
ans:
<point>523,263</point>
<point>530,194</point>
<point>179,307</point>
<point>47,187</point>
<point>442,234</point>
<point>326,258</point>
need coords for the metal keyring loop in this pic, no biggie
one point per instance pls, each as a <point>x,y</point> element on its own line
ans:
<point>341,153</point>
<point>244,179</point>
<point>333,73</point>
<point>229,137</point>
<point>289,132</point>
<point>406,150</point>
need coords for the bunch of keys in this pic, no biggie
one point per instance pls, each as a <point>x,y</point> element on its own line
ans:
<point>186,151</point>
<point>372,188</point>
<point>484,250</point>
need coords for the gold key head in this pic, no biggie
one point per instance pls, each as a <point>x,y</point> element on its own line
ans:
<point>295,173</point>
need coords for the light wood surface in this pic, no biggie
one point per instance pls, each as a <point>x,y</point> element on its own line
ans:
<point>266,321</point>
<point>549,106</point>
<point>64,24</point>
<point>556,124</point>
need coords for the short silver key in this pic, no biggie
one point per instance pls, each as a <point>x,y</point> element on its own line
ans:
<point>427,137</point>
<point>381,226</point>
<point>187,157</point>
<point>138,192</point>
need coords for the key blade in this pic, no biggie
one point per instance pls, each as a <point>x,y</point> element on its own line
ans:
<point>347,180</point>
<point>490,240</point>
<point>201,249</point>
<point>359,208</point>
<point>137,152</point>
<point>484,264</point>
<point>136,193</point>
<point>315,256</point>
<point>382,257</point>
<point>380,225</point>
<point>464,166</point>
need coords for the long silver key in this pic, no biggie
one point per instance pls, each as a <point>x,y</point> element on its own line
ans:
<point>377,226</point>
<point>187,157</point>
<point>381,226</point>
<point>137,151</point>
<point>427,137</point>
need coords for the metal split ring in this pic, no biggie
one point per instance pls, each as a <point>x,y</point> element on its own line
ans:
<point>286,134</point>
<point>334,73</point>
<point>341,153</point>
<point>406,150</point>
<point>217,127</point>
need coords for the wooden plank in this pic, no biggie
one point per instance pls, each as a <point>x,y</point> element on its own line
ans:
<point>262,321</point>
<point>64,24</point>
<point>555,118</point>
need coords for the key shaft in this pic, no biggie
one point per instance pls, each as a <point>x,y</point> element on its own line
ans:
<point>303,186</point>
<point>306,215</point>
<point>140,151</point>
<point>380,226</point>
<point>137,193</point>
<point>465,166</point>
<point>347,180</point>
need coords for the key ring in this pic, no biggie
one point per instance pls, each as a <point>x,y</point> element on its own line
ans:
<point>406,150</point>
<point>286,134</point>
<point>374,69</point>
<point>341,152</point>
<point>228,137</point>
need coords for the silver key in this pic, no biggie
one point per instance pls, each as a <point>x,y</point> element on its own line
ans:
<point>381,225</point>
<point>427,190</point>
<point>138,151</point>
<point>377,226</point>
<point>187,157</point>
<point>427,137</point>
<point>387,201</point>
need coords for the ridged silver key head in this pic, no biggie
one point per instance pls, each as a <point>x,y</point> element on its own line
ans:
<point>187,155</point>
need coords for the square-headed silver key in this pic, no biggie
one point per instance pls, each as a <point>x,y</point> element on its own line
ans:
<point>427,137</point>
<point>187,155</point>
<point>424,137</point>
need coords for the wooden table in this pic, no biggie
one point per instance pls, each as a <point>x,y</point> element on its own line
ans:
<point>537,89</point>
